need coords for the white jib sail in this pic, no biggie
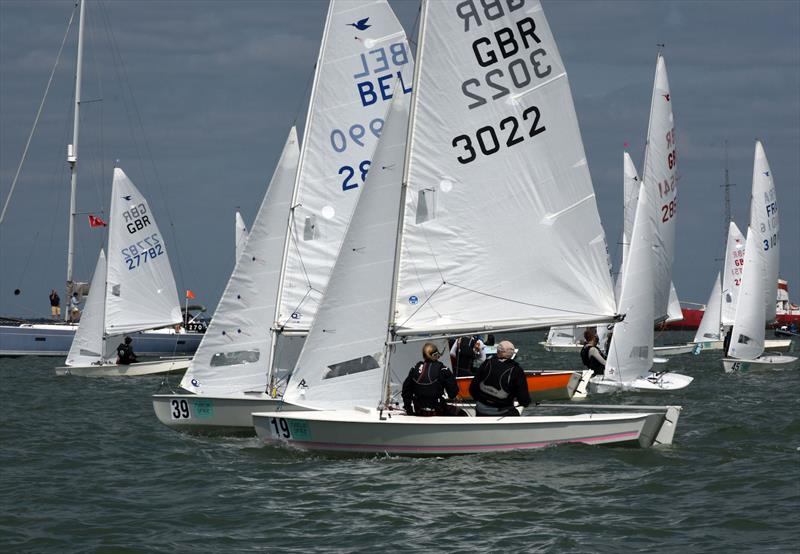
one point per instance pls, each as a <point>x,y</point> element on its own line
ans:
<point>563,336</point>
<point>630,355</point>
<point>630,196</point>
<point>141,292</point>
<point>342,362</point>
<point>764,223</point>
<point>747,340</point>
<point>732,273</point>
<point>364,61</point>
<point>661,175</point>
<point>88,346</point>
<point>710,326</point>
<point>241,235</point>
<point>501,227</point>
<point>674,312</point>
<point>234,353</point>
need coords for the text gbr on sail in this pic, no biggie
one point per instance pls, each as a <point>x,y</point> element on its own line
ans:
<point>136,218</point>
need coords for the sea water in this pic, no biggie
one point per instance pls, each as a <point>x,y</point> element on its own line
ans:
<point>86,466</point>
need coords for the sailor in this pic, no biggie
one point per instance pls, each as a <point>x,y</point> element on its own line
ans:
<point>591,355</point>
<point>464,353</point>
<point>55,304</point>
<point>499,382</point>
<point>426,384</point>
<point>125,354</point>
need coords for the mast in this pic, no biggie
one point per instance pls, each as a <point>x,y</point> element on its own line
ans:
<point>72,159</point>
<point>290,225</point>
<point>390,333</point>
<point>727,186</point>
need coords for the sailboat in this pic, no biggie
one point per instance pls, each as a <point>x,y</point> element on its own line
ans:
<point>272,295</point>
<point>133,290</point>
<point>441,266</point>
<point>756,303</point>
<point>647,279</point>
<point>54,339</point>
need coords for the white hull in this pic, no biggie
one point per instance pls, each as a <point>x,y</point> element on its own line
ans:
<point>673,349</point>
<point>214,415</point>
<point>656,382</point>
<point>133,370</point>
<point>561,347</point>
<point>765,361</point>
<point>769,344</point>
<point>369,431</point>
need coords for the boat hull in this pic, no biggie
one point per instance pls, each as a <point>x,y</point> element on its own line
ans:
<point>214,415</point>
<point>370,432</point>
<point>543,385</point>
<point>561,347</point>
<point>656,382</point>
<point>766,361</point>
<point>769,344</point>
<point>55,340</point>
<point>139,369</point>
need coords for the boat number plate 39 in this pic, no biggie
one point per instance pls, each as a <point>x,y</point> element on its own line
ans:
<point>180,408</point>
<point>282,429</point>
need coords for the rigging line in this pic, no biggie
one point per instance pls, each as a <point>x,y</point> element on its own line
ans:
<point>36,119</point>
<point>177,249</point>
<point>303,97</point>
<point>521,303</point>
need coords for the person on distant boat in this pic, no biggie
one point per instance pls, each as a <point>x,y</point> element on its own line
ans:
<point>499,382</point>
<point>74,308</point>
<point>464,353</point>
<point>426,385</point>
<point>55,304</point>
<point>591,355</point>
<point>125,354</point>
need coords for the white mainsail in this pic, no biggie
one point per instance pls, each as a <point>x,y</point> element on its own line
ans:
<point>747,338</point>
<point>501,228</point>
<point>661,176</point>
<point>234,353</point>
<point>342,363</point>
<point>241,234</point>
<point>89,346</point>
<point>364,60</point>
<point>141,292</point>
<point>710,328</point>
<point>630,355</point>
<point>674,312</point>
<point>764,223</point>
<point>732,273</point>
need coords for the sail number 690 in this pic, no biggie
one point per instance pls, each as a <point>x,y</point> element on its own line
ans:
<point>487,140</point>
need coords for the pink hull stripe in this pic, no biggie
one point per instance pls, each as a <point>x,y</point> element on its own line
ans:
<point>632,435</point>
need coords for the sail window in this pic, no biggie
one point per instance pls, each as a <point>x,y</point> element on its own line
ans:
<point>426,205</point>
<point>235,358</point>
<point>310,230</point>
<point>744,339</point>
<point>356,365</point>
<point>639,352</point>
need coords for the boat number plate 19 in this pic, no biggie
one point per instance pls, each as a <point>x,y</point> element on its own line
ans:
<point>282,430</point>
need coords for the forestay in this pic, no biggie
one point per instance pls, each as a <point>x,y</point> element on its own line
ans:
<point>342,362</point>
<point>732,273</point>
<point>661,175</point>
<point>364,61</point>
<point>501,228</point>
<point>747,339</point>
<point>764,223</point>
<point>88,345</point>
<point>710,327</point>
<point>140,287</point>
<point>234,352</point>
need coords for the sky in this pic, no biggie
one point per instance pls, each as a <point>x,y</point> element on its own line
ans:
<point>193,99</point>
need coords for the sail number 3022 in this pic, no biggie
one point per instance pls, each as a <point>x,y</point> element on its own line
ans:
<point>487,138</point>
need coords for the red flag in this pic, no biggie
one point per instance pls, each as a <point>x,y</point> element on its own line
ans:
<point>95,221</point>
<point>189,294</point>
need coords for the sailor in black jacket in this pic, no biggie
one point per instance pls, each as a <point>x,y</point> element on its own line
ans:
<point>424,388</point>
<point>498,382</point>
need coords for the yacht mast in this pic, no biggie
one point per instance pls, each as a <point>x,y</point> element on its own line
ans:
<point>72,159</point>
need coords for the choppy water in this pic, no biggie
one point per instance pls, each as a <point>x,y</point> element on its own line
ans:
<point>85,466</point>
